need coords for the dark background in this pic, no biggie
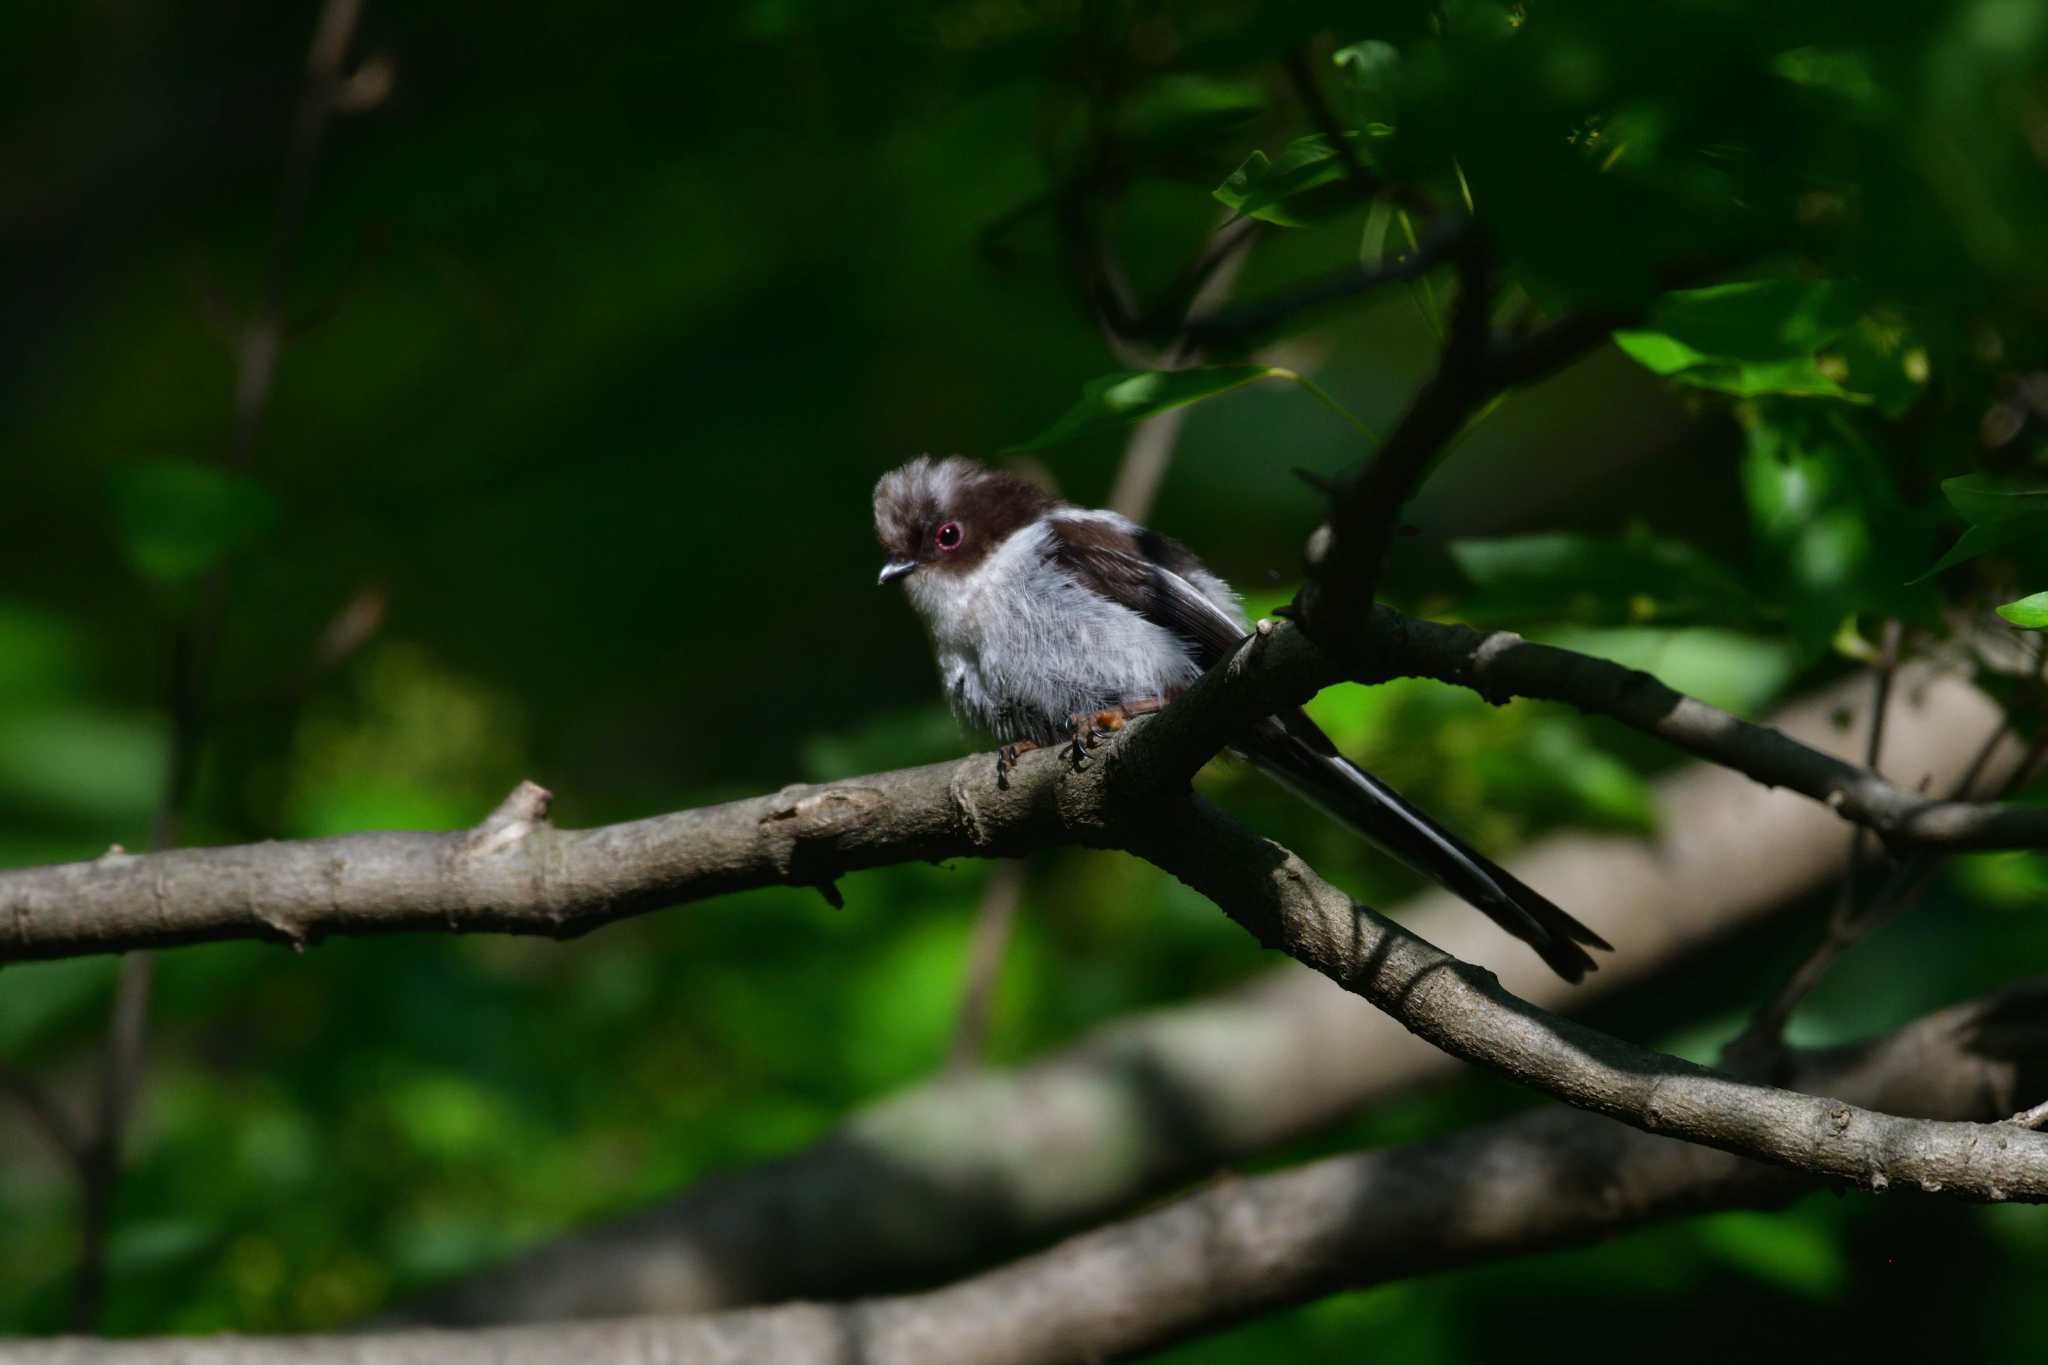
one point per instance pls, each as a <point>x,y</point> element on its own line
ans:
<point>600,326</point>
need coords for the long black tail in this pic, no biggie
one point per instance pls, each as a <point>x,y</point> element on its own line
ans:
<point>1292,750</point>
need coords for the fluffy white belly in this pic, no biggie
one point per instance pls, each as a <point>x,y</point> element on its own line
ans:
<point>1022,647</point>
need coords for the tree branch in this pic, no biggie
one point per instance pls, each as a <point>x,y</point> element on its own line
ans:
<point>519,874</point>
<point>1500,664</point>
<point>1148,1102</point>
<point>1280,666</point>
<point>1241,1247</point>
<point>516,873</point>
<point>1467,1012</point>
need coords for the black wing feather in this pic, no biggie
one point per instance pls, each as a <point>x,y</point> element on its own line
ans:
<point>1146,572</point>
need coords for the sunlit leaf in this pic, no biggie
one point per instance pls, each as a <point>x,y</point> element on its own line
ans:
<point>2028,613</point>
<point>1798,377</point>
<point>1735,672</point>
<point>1754,338</point>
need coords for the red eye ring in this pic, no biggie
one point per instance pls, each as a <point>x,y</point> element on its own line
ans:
<point>948,536</point>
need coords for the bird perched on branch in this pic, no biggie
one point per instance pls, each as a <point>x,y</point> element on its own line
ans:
<point>1053,622</point>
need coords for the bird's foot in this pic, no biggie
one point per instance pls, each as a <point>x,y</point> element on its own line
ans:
<point>1090,728</point>
<point>1006,759</point>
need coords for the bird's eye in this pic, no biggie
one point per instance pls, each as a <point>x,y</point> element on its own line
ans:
<point>948,536</point>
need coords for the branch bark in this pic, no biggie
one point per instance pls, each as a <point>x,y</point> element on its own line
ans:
<point>516,873</point>
<point>1150,1102</point>
<point>1282,667</point>
<point>1242,1247</point>
<point>1465,1010</point>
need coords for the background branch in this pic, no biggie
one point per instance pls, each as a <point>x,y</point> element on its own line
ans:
<point>1241,1247</point>
<point>195,646</point>
<point>1147,1103</point>
<point>1467,1012</point>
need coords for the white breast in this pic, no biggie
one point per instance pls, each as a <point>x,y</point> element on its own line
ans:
<point>1022,647</point>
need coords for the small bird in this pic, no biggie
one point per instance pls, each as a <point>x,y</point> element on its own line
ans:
<point>1053,622</point>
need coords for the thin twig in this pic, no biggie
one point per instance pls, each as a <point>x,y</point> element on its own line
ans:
<point>256,356</point>
<point>195,645</point>
<point>1851,921</point>
<point>48,1115</point>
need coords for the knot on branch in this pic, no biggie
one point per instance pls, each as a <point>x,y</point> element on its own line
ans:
<point>803,813</point>
<point>1491,649</point>
<point>518,815</point>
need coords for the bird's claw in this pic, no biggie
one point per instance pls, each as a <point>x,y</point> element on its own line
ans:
<point>1006,759</point>
<point>1089,730</point>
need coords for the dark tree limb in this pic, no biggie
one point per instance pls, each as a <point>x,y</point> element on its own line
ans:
<point>1500,664</point>
<point>1465,1011</point>
<point>1148,1102</point>
<point>1280,666</point>
<point>1240,1247</point>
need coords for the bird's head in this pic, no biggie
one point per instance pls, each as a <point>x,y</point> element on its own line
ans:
<point>946,516</point>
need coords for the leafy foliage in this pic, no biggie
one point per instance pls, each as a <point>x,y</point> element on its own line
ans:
<point>595,350</point>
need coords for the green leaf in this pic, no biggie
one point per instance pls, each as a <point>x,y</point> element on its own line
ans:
<point>1263,187</point>
<point>1557,768</point>
<point>1759,319</point>
<point>1979,540</point>
<point>1832,530</point>
<point>1372,67</point>
<point>1563,577</point>
<point>1782,1251</point>
<point>1999,515</point>
<point>1800,377</point>
<point>179,518</point>
<point>1736,672</point>
<point>1765,337</point>
<point>1983,501</point>
<point>2028,613</point>
<point>1187,108</point>
<point>1132,395</point>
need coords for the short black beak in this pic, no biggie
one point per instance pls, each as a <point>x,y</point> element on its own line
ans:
<point>894,570</point>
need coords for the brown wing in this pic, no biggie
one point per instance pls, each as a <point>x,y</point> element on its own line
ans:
<point>1144,571</point>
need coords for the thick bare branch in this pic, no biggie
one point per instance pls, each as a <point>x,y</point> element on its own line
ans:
<point>1467,1012</point>
<point>1242,1247</point>
<point>525,876</point>
<point>1150,1102</point>
<point>517,873</point>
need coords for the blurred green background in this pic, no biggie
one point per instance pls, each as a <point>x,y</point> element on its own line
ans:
<point>603,321</point>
